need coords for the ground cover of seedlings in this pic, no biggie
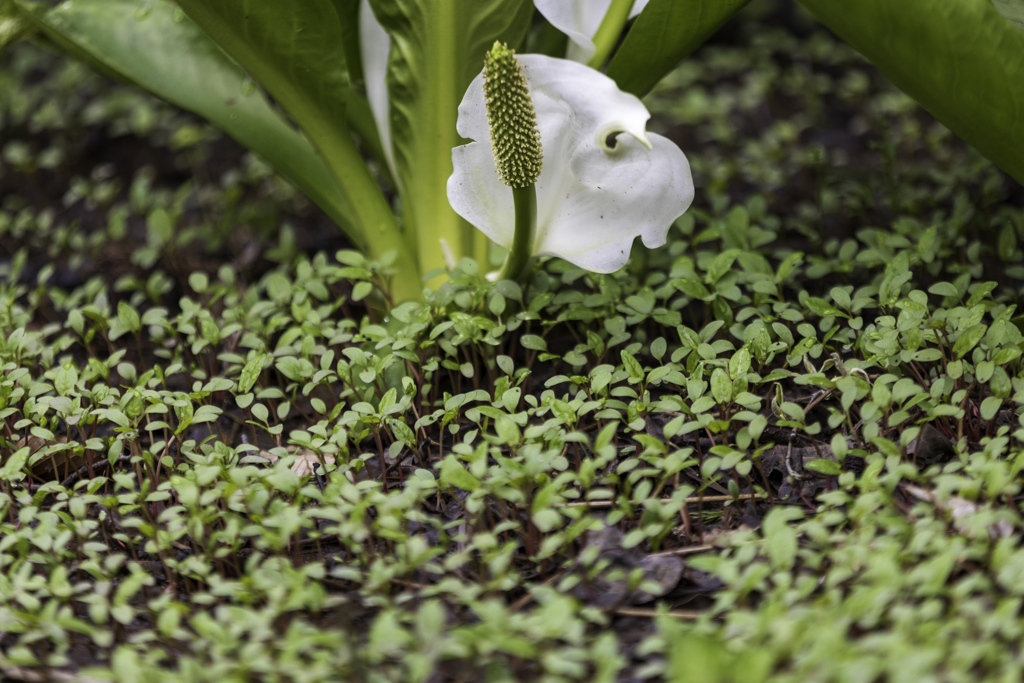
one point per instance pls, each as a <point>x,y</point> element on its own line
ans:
<point>784,447</point>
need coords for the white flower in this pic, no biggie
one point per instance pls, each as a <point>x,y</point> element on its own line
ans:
<point>580,19</point>
<point>374,45</point>
<point>605,180</point>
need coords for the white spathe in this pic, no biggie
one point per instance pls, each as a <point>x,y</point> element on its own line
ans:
<point>593,198</point>
<point>374,45</point>
<point>580,19</point>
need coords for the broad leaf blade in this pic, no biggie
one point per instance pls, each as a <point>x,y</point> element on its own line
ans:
<point>664,33</point>
<point>437,49</point>
<point>295,50</point>
<point>960,59</point>
<point>170,57</point>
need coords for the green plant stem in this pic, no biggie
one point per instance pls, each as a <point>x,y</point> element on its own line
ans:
<point>525,201</point>
<point>609,31</point>
<point>429,217</point>
<point>437,49</point>
<point>373,214</point>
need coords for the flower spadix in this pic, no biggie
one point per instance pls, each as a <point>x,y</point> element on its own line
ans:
<point>516,148</point>
<point>511,118</point>
<point>604,182</point>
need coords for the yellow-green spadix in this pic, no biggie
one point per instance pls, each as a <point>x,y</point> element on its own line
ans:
<point>515,140</point>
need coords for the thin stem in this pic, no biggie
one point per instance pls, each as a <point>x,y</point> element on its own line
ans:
<point>609,31</point>
<point>428,135</point>
<point>525,201</point>
<point>372,212</point>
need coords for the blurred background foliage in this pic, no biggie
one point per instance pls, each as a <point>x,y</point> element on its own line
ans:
<point>786,446</point>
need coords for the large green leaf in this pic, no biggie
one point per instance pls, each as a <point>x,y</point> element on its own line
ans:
<point>357,108</point>
<point>437,49</point>
<point>295,49</point>
<point>170,57</point>
<point>959,58</point>
<point>664,33</point>
<point>348,17</point>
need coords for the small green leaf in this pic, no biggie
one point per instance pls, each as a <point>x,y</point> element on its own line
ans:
<point>739,364</point>
<point>198,282</point>
<point>1006,354</point>
<point>1000,384</point>
<point>509,289</point>
<point>218,384</point>
<point>780,537</point>
<point>507,430</point>
<point>129,317</point>
<point>361,290</point>
<point>505,364</point>
<point>721,386</point>
<point>840,296</point>
<point>982,290</point>
<point>658,348</point>
<point>66,379</point>
<point>787,267</point>
<point>252,370</point>
<point>454,475</point>
<point>1006,245</point>
<point>721,265</point>
<point>632,367</point>
<point>990,407</point>
<point>944,289</point>
<point>387,400</point>
<point>968,339</point>
<point>295,369</point>
<point>694,289</point>
<point>533,342</point>
<point>821,307</point>
<point>206,414</point>
<point>823,466</point>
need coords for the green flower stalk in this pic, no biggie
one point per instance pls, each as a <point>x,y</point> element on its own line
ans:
<point>516,146</point>
<point>609,31</point>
